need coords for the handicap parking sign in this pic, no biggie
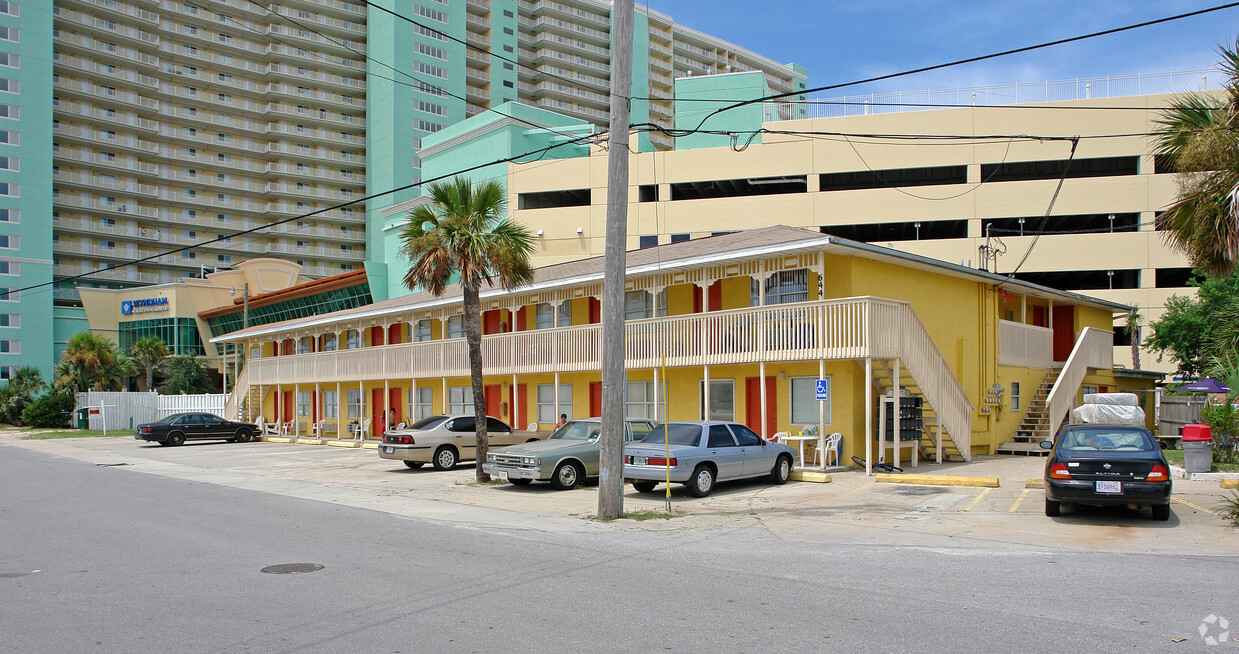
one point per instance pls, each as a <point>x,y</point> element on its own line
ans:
<point>823,389</point>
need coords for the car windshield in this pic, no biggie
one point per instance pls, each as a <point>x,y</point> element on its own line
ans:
<point>428,423</point>
<point>578,431</point>
<point>680,434</point>
<point>1129,440</point>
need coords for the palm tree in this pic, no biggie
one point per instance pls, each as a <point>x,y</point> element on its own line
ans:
<point>89,359</point>
<point>1196,135</point>
<point>1131,325</point>
<point>149,352</point>
<point>464,233</point>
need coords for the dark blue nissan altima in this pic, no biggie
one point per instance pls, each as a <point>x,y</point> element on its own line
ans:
<point>1106,465</point>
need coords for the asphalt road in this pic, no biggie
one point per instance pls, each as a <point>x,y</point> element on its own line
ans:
<point>109,559</point>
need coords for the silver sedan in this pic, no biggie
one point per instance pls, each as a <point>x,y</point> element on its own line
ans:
<point>442,441</point>
<point>702,452</point>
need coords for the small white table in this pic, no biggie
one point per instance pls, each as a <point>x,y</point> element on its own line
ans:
<point>800,440</point>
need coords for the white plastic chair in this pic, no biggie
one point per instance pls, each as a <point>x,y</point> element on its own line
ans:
<point>265,429</point>
<point>780,437</point>
<point>318,428</point>
<point>365,428</point>
<point>401,425</point>
<point>832,448</point>
<point>287,428</point>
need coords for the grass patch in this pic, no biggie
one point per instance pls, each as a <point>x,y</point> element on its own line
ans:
<point>639,516</point>
<point>33,434</point>
<point>1175,457</point>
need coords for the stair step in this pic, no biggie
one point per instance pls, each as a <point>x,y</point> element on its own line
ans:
<point>1027,449</point>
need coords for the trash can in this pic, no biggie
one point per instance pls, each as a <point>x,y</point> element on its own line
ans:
<point>83,418</point>
<point>1197,448</point>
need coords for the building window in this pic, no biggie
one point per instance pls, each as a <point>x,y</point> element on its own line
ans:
<point>305,345</point>
<point>329,342</point>
<point>431,51</point>
<point>9,33</point>
<point>787,286</point>
<point>9,59</point>
<point>421,330</point>
<point>420,403</point>
<point>544,316</point>
<point>10,216</point>
<point>805,405</point>
<point>455,327</point>
<point>641,399</point>
<point>722,399</point>
<point>10,320</point>
<point>460,399</point>
<point>353,398</point>
<point>331,404</point>
<point>648,241</point>
<point>547,413</point>
<point>1015,396</point>
<point>565,314</point>
<point>303,404</point>
<point>10,111</point>
<point>10,347</point>
<point>428,69</point>
<point>352,339</point>
<point>638,305</point>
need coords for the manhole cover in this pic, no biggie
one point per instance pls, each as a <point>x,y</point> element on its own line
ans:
<point>292,568</point>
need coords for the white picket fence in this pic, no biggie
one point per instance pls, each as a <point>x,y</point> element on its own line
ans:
<point>125,410</point>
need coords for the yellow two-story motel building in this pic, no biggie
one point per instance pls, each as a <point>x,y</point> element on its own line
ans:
<point>994,361</point>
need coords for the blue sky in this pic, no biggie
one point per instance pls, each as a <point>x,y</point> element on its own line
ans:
<point>845,40</point>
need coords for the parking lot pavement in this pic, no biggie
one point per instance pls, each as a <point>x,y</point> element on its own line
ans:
<point>850,509</point>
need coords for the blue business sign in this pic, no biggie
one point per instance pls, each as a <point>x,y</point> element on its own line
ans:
<point>145,305</point>
<point>823,389</point>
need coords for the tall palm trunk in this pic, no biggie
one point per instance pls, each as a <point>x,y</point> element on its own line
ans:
<point>473,339</point>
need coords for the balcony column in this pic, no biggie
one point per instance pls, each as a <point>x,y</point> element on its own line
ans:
<point>896,408</point>
<point>868,416</point>
<point>557,409</point>
<point>386,395</point>
<point>706,392</point>
<point>316,408</point>
<point>296,418</point>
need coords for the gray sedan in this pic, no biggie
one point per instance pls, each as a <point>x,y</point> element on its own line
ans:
<point>442,441</point>
<point>703,452</point>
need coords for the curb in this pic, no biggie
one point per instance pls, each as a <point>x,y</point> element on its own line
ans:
<point>1034,483</point>
<point>810,476</point>
<point>342,444</point>
<point>275,439</point>
<point>936,480</point>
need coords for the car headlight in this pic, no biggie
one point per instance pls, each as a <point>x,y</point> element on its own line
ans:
<point>490,458</point>
<point>529,461</point>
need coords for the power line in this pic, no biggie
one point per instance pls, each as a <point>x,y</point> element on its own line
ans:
<point>970,60</point>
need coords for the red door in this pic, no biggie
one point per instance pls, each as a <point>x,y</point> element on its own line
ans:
<point>595,399</point>
<point>494,398</point>
<point>288,406</point>
<point>376,335</point>
<point>522,406</point>
<point>520,319</point>
<point>393,399</point>
<point>716,297</point>
<point>492,322</point>
<point>595,311</point>
<point>752,406</point>
<point>393,334</point>
<point>376,411</point>
<point>697,299</point>
<point>1064,326</point>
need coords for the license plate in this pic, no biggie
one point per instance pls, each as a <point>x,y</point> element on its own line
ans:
<point>640,460</point>
<point>389,450</point>
<point>1110,487</point>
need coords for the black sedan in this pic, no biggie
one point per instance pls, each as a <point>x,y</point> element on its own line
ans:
<point>180,427</point>
<point>1106,465</point>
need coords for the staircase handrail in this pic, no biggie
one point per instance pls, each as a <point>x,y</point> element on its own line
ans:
<point>241,388</point>
<point>1090,351</point>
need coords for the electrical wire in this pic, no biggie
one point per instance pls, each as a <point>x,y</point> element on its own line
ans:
<point>1045,219</point>
<point>970,60</point>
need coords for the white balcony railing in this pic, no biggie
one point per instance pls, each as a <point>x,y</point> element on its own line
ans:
<point>1025,345</point>
<point>842,329</point>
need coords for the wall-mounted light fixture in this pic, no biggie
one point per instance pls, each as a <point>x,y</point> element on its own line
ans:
<point>580,230</point>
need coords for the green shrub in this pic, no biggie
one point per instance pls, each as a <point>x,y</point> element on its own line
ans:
<point>1229,508</point>
<point>49,410</point>
<point>1223,421</point>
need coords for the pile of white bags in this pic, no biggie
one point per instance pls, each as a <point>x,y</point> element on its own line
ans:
<point>1109,409</point>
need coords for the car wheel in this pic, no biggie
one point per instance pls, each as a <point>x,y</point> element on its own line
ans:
<point>243,436</point>
<point>645,486</point>
<point>413,464</point>
<point>567,475</point>
<point>532,440</point>
<point>175,438</point>
<point>445,458</point>
<point>1053,508</point>
<point>702,481</point>
<point>519,482</point>
<point>1161,511</point>
<point>782,470</point>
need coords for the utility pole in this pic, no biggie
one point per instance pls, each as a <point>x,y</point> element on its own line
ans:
<point>611,463</point>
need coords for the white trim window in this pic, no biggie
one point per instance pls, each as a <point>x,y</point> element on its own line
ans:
<point>722,399</point>
<point>455,327</point>
<point>543,316</point>
<point>303,404</point>
<point>329,343</point>
<point>353,397</point>
<point>421,330</point>
<point>352,339</point>
<point>331,405</point>
<point>460,400</point>
<point>638,305</point>
<point>420,402</point>
<point>1015,396</point>
<point>804,403</point>
<point>788,286</point>
<point>641,399</point>
<point>563,317</point>
<point>547,414</point>
<point>305,344</point>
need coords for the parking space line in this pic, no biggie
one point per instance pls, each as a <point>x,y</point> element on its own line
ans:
<point>1024,493</point>
<point>977,499</point>
<point>1198,508</point>
<point>858,488</point>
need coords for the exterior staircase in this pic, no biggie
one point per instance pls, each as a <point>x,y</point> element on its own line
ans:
<point>1035,427</point>
<point>882,379</point>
